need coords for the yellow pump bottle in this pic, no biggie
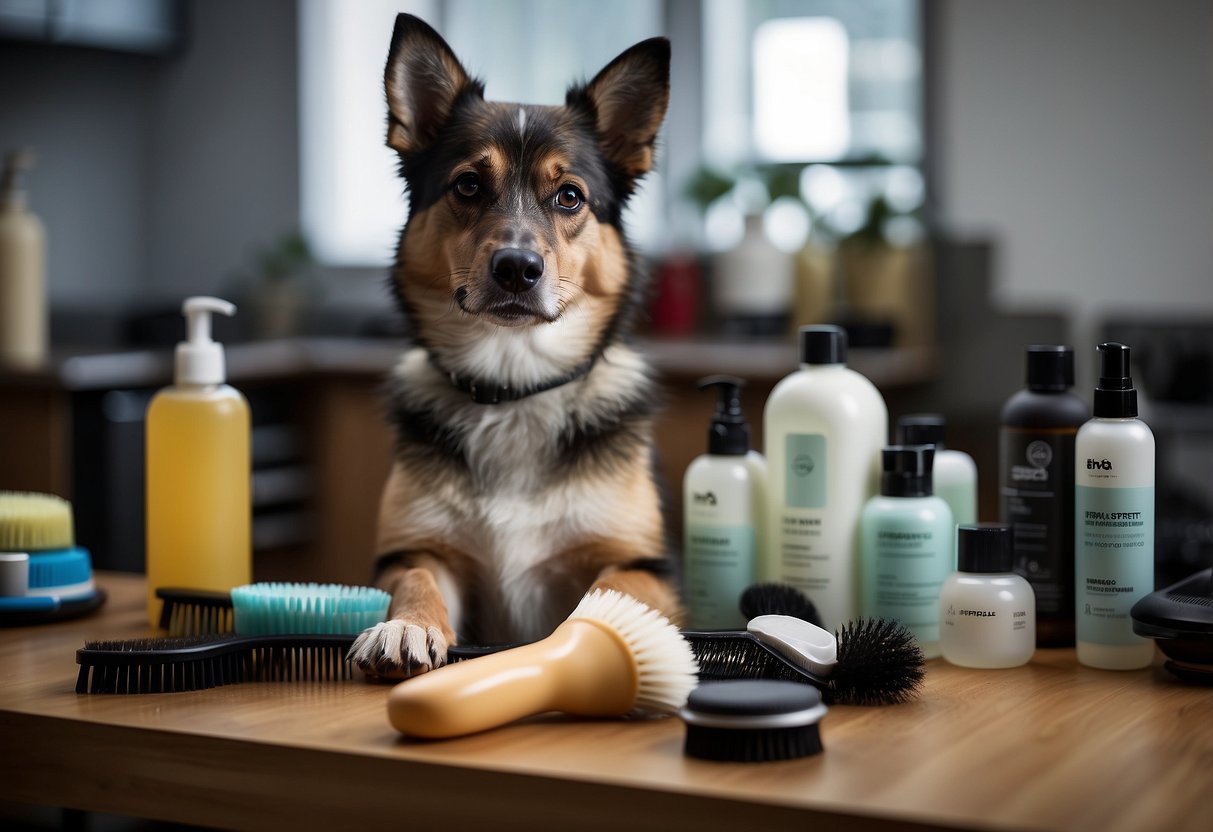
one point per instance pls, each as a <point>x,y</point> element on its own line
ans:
<point>198,502</point>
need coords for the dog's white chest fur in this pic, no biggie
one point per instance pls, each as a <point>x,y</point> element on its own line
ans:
<point>514,510</point>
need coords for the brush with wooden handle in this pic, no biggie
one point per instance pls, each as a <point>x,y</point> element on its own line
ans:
<point>613,656</point>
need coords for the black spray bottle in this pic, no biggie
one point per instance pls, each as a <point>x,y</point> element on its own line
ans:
<point>1036,486</point>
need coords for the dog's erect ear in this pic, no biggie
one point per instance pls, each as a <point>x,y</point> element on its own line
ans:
<point>628,100</point>
<point>423,80</point>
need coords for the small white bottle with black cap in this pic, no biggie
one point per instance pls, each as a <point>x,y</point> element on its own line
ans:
<point>823,428</point>
<point>723,508</point>
<point>907,538</point>
<point>954,473</point>
<point>987,613</point>
<point>1113,520</point>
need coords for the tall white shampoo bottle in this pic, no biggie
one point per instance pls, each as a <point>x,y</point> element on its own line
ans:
<point>824,427</point>
<point>723,511</point>
<point>1113,520</point>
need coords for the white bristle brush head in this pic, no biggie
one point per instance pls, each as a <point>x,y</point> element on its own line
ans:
<point>666,665</point>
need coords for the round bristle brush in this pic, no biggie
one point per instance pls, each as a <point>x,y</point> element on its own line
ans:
<point>611,657</point>
<point>868,662</point>
<point>31,522</point>
<point>753,721</point>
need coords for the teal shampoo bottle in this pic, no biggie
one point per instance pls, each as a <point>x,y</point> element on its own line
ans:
<point>907,540</point>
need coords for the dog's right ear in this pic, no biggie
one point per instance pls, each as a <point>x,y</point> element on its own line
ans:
<point>423,80</point>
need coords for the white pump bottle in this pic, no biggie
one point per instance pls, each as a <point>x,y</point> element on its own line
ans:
<point>198,469</point>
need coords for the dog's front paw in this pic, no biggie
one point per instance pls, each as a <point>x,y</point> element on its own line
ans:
<point>397,649</point>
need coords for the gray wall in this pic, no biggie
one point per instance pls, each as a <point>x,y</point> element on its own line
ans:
<point>87,114</point>
<point>223,179</point>
<point>1078,135</point>
<point>159,176</point>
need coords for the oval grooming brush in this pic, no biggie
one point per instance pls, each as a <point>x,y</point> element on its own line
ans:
<point>611,657</point>
<point>753,721</point>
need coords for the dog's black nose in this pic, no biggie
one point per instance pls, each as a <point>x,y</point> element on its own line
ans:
<point>516,269</point>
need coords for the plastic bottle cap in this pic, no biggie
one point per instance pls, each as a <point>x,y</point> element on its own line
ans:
<point>728,434</point>
<point>984,547</point>
<point>1115,397</point>
<point>922,429</point>
<point>823,344</point>
<point>906,470</point>
<point>199,358</point>
<point>1050,367</point>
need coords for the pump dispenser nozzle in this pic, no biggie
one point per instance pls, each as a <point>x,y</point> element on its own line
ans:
<point>1115,397</point>
<point>200,358</point>
<point>728,435</point>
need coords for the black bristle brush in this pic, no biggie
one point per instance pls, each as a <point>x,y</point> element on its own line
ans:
<point>165,665</point>
<point>195,612</point>
<point>752,721</point>
<point>772,598</point>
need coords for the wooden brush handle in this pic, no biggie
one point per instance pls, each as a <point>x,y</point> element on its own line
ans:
<point>583,668</point>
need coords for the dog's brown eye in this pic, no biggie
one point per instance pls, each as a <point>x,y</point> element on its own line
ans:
<point>468,185</point>
<point>569,198</point>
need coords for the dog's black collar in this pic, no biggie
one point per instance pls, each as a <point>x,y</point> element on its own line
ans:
<point>486,392</point>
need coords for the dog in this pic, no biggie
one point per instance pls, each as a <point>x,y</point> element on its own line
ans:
<point>524,467</point>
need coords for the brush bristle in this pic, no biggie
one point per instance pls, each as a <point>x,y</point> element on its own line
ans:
<point>778,599</point>
<point>31,522</point>
<point>195,612</point>
<point>758,745</point>
<point>664,659</point>
<point>727,655</point>
<point>879,663</point>
<point>298,608</point>
<point>166,665</point>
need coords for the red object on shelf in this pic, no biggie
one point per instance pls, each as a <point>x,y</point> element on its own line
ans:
<point>675,308</point>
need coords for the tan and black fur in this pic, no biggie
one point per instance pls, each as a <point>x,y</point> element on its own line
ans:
<point>516,278</point>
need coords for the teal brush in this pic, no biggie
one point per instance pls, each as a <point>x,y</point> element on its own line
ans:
<point>294,608</point>
<point>272,608</point>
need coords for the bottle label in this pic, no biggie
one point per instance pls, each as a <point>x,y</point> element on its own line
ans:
<point>1114,548</point>
<point>806,470</point>
<point>720,562</point>
<point>909,563</point>
<point>1037,496</point>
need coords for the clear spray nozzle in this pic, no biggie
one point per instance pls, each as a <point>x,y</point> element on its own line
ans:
<point>199,358</point>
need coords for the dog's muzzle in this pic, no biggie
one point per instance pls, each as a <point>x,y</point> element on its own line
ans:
<point>516,270</point>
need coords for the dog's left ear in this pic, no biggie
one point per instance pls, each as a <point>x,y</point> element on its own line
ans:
<point>628,100</point>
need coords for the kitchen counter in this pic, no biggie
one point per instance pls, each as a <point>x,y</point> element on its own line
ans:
<point>1048,746</point>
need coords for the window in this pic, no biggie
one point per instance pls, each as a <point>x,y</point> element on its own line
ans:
<point>813,106</point>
